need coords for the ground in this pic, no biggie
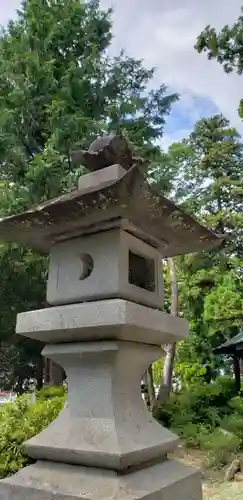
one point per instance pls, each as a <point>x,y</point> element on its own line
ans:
<point>223,491</point>
<point>214,486</point>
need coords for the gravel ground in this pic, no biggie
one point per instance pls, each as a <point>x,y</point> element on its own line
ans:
<point>224,491</point>
<point>214,486</point>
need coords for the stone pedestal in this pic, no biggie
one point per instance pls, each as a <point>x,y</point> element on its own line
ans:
<point>105,443</point>
<point>168,480</point>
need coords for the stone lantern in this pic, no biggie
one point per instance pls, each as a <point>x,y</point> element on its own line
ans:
<point>106,241</point>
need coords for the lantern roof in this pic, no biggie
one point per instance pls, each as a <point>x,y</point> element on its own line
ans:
<point>125,201</point>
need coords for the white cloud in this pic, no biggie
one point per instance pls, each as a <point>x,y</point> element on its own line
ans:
<point>8,10</point>
<point>163,33</point>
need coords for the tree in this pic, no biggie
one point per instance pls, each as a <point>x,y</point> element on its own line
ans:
<point>210,181</point>
<point>226,47</point>
<point>210,184</point>
<point>21,288</point>
<point>59,89</point>
<point>171,348</point>
<point>160,374</point>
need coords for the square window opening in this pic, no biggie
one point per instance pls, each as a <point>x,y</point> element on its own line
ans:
<point>142,271</point>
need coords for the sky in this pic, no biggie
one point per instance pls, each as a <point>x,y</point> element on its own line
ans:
<point>163,34</point>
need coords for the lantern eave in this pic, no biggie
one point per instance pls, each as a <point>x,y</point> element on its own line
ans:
<point>128,203</point>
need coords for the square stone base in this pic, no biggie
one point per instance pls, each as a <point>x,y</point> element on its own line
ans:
<point>169,480</point>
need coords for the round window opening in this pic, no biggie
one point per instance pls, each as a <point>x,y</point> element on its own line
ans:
<point>87,266</point>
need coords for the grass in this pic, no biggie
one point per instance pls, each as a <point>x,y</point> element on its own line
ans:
<point>214,486</point>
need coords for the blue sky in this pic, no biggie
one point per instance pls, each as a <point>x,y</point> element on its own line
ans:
<point>184,116</point>
<point>163,33</point>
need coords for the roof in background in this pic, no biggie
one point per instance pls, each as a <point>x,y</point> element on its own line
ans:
<point>232,346</point>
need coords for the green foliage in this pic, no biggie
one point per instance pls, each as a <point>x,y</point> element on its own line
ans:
<point>234,424</point>
<point>50,392</point>
<point>189,374</point>
<point>223,389</point>
<point>157,371</point>
<point>224,301</point>
<point>226,47</point>
<point>221,449</point>
<point>209,183</point>
<point>194,435</point>
<point>59,89</point>
<point>202,416</point>
<point>22,287</point>
<point>19,422</point>
<point>236,404</point>
<point>209,167</point>
<point>202,404</point>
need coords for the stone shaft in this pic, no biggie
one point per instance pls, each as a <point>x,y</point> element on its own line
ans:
<point>105,423</point>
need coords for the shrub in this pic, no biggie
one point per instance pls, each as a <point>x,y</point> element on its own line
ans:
<point>223,389</point>
<point>196,415</point>
<point>166,411</point>
<point>19,422</point>
<point>221,448</point>
<point>49,392</point>
<point>193,435</point>
<point>190,373</point>
<point>203,404</point>
<point>236,404</point>
<point>234,424</point>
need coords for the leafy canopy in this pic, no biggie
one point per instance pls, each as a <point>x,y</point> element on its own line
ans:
<point>59,89</point>
<point>226,46</point>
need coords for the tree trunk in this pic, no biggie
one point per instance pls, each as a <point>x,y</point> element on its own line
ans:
<point>168,367</point>
<point>237,372</point>
<point>170,349</point>
<point>241,368</point>
<point>145,388</point>
<point>150,382</point>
